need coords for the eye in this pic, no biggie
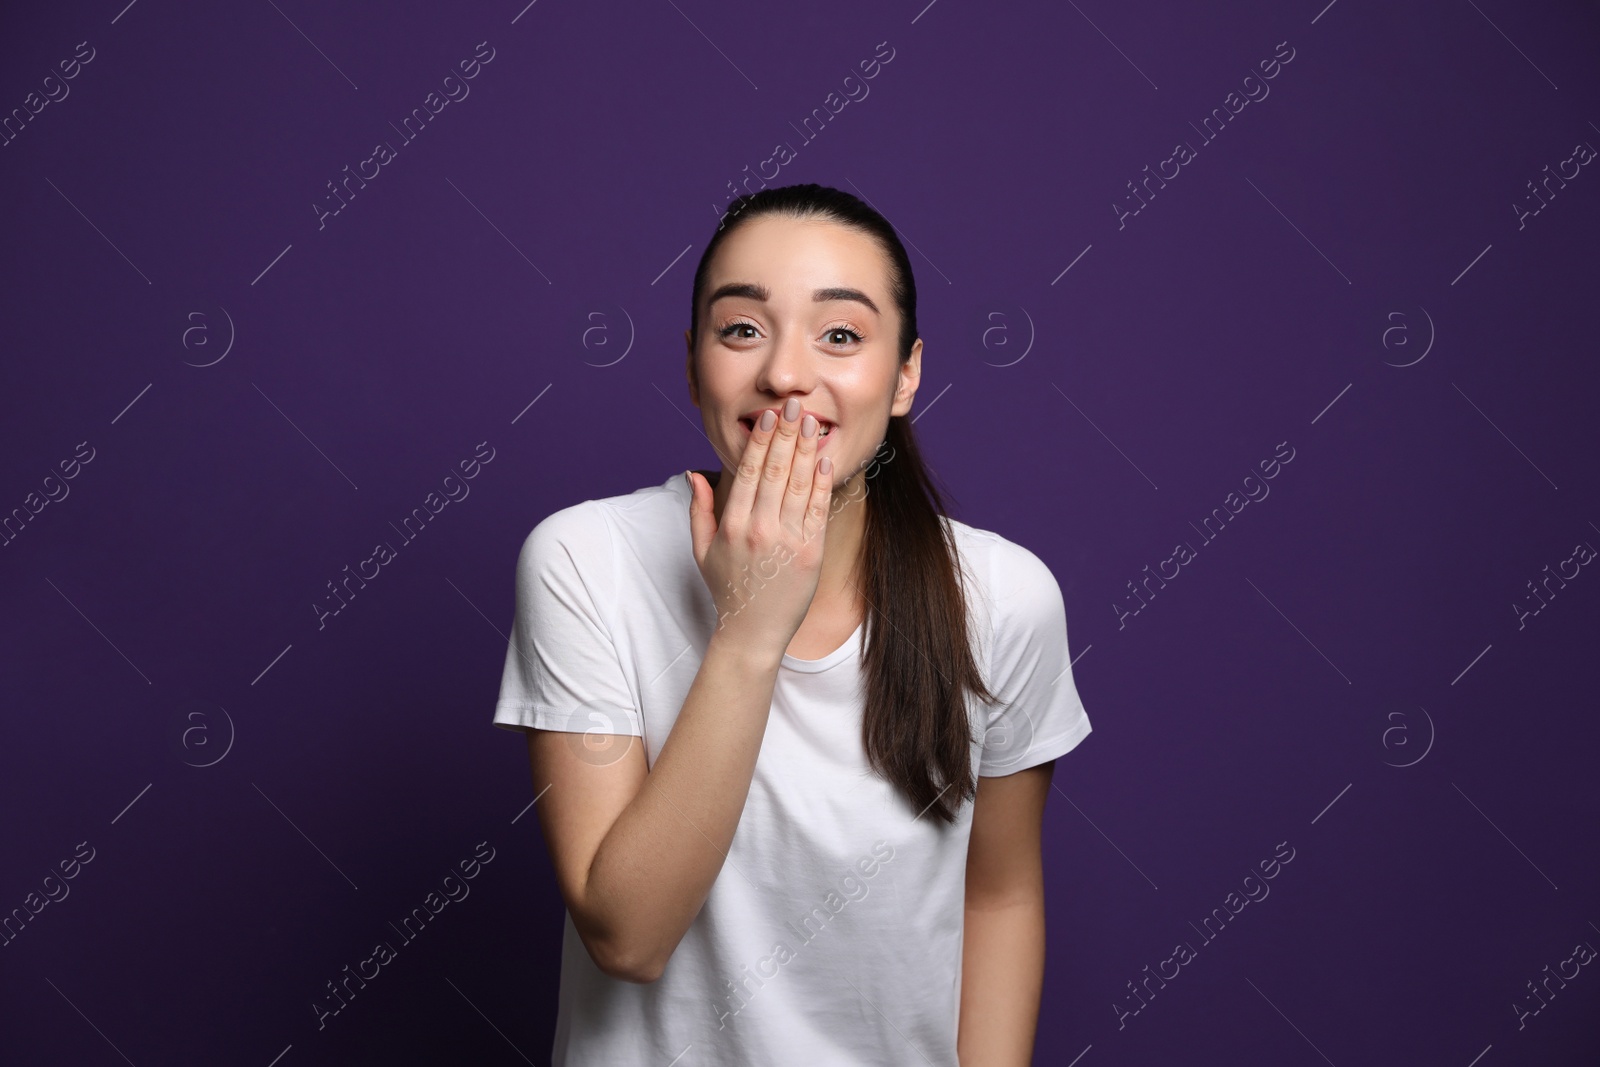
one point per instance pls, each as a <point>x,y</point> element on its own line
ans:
<point>729,330</point>
<point>851,333</point>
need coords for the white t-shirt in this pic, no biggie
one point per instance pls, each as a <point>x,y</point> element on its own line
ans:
<point>833,932</point>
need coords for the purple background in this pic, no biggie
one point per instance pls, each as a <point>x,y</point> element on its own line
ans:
<point>263,797</point>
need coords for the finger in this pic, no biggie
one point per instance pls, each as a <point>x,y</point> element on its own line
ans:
<point>702,517</point>
<point>747,475</point>
<point>774,485</point>
<point>821,503</point>
<point>801,473</point>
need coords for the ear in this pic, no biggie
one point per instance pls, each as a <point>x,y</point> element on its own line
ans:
<point>909,377</point>
<point>694,384</point>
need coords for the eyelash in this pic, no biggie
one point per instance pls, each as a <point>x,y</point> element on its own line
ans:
<point>727,331</point>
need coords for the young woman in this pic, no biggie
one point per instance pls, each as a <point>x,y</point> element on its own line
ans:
<point>792,727</point>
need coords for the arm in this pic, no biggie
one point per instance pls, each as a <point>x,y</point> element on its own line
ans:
<point>637,849</point>
<point>1002,968</point>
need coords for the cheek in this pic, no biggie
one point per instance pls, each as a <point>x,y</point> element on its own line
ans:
<point>862,394</point>
<point>720,385</point>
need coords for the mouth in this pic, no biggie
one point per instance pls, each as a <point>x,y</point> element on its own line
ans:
<point>824,430</point>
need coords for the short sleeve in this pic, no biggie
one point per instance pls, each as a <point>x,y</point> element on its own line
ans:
<point>562,669</point>
<point>1038,716</point>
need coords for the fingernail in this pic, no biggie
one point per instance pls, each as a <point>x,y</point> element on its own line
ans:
<point>768,419</point>
<point>791,409</point>
<point>808,426</point>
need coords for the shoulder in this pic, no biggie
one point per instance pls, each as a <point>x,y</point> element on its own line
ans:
<point>585,531</point>
<point>574,529</point>
<point>1003,569</point>
<point>1013,598</point>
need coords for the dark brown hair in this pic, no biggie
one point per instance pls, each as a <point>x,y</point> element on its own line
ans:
<point>918,660</point>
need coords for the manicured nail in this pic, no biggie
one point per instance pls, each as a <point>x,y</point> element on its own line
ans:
<point>768,419</point>
<point>808,426</point>
<point>791,409</point>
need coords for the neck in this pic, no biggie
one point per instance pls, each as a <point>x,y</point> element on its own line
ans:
<point>842,541</point>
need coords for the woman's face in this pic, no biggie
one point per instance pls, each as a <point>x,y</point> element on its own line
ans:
<point>800,308</point>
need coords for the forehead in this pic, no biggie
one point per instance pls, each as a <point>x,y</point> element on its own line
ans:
<point>792,257</point>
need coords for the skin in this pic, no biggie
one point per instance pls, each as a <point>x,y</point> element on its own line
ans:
<point>1002,958</point>
<point>791,346</point>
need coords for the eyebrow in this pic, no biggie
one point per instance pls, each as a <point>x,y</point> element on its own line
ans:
<point>763,294</point>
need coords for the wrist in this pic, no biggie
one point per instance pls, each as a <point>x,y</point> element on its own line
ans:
<point>726,648</point>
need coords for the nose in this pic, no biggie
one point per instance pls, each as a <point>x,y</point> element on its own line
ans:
<point>788,368</point>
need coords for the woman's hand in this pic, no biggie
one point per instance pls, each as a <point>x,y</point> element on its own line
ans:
<point>762,561</point>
